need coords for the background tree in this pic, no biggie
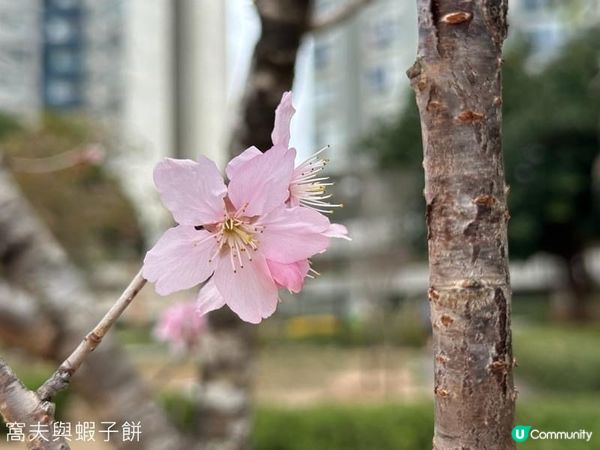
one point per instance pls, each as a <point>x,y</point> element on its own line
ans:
<point>551,141</point>
<point>229,346</point>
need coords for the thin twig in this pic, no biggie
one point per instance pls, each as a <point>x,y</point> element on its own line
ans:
<point>89,153</point>
<point>338,16</point>
<point>60,379</point>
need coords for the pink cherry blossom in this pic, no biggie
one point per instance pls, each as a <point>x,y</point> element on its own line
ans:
<point>247,239</point>
<point>232,233</point>
<point>180,326</point>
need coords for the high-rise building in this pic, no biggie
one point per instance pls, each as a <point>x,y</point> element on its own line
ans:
<point>20,58</point>
<point>174,98</point>
<point>63,50</point>
<point>103,31</point>
<point>359,71</point>
<point>153,72</point>
<point>82,50</point>
<point>359,66</point>
<point>61,55</point>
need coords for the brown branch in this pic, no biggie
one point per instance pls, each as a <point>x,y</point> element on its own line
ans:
<point>339,16</point>
<point>20,405</point>
<point>60,379</point>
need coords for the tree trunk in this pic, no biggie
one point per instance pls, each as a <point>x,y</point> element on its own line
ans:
<point>572,301</point>
<point>229,346</point>
<point>457,80</point>
<point>283,24</point>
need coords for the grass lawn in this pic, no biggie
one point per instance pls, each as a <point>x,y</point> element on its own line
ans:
<point>409,426</point>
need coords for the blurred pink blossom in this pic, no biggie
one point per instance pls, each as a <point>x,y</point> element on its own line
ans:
<point>93,154</point>
<point>180,325</point>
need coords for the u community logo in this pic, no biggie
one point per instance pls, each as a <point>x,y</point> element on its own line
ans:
<point>520,433</point>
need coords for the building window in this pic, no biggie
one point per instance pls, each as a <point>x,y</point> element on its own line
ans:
<point>325,92</point>
<point>63,61</point>
<point>378,80</point>
<point>382,33</point>
<point>533,5</point>
<point>59,31</point>
<point>65,4</point>
<point>322,55</point>
<point>61,92</point>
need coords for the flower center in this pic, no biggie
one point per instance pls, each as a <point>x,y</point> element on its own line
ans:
<point>236,236</point>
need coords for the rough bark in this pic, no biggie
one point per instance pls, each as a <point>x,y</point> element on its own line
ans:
<point>31,259</point>
<point>457,80</point>
<point>20,405</point>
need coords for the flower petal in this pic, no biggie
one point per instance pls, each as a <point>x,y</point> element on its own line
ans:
<point>263,184</point>
<point>180,259</point>
<point>249,292</point>
<point>293,234</point>
<point>283,116</point>
<point>209,298</point>
<point>238,162</point>
<point>337,230</point>
<point>289,276</point>
<point>192,191</point>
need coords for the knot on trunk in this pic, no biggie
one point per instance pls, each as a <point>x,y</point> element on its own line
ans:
<point>457,17</point>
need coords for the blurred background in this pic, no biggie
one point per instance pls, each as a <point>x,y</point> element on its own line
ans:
<point>94,93</point>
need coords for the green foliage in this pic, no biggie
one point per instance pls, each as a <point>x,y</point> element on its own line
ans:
<point>8,125</point>
<point>181,409</point>
<point>408,426</point>
<point>551,142</point>
<point>558,358</point>
<point>560,413</point>
<point>135,334</point>
<point>387,427</point>
<point>82,204</point>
